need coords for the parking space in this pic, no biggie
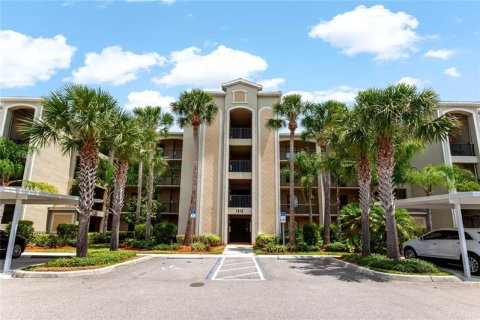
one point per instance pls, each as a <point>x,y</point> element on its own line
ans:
<point>238,269</point>
<point>25,261</point>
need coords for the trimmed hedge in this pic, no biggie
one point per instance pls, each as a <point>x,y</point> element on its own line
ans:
<point>337,247</point>
<point>381,262</point>
<point>165,232</point>
<point>311,234</point>
<point>212,239</point>
<point>99,258</point>
<point>140,231</point>
<point>67,230</point>
<point>97,237</point>
<point>263,240</point>
<point>170,247</point>
<point>200,246</point>
<point>24,229</point>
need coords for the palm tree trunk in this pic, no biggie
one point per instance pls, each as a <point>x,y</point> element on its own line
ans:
<point>429,220</point>
<point>291,228</point>
<point>385,166</point>
<point>139,191</point>
<point>88,174</point>
<point>327,219</point>
<point>310,212</point>
<point>121,167</point>
<point>364,172</point>
<point>193,199</point>
<point>337,201</point>
<point>148,221</point>
<point>106,210</point>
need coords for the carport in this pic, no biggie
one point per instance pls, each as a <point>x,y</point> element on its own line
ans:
<point>21,197</point>
<point>454,201</point>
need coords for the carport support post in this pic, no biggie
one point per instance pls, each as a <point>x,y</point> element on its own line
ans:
<point>13,235</point>
<point>463,242</point>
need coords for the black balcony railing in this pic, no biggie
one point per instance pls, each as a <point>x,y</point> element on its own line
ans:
<point>300,208</point>
<point>285,155</point>
<point>173,154</point>
<point>284,181</point>
<point>171,207</point>
<point>240,166</point>
<point>462,149</point>
<point>169,180</point>
<point>240,133</point>
<point>240,201</point>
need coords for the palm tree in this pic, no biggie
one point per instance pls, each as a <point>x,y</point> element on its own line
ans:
<point>194,108</point>
<point>462,180</point>
<point>318,120</point>
<point>155,162</point>
<point>285,114</point>
<point>12,158</point>
<point>399,111</point>
<point>125,142</point>
<point>153,123</point>
<point>77,118</point>
<point>356,141</point>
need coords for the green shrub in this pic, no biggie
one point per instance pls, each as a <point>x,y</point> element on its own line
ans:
<point>140,244</point>
<point>197,238</point>
<point>67,230</point>
<point>303,246</point>
<point>274,248</point>
<point>337,247</point>
<point>40,240</point>
<point>24,229</point>
<point>53,241</point>
<point>311,234</point>
<point>123,235</point>
<point>262,240</point>
<point>381,262</point>
<point>99,258</point>
<point>165,232</point>
<point>354,243</point>
<point>170,247</point>
<point>212,239</point>
<point>200,246</point>
<point>140,231</point>
<point>298,236</point>
<point>180,238</point>
<point>97,237</point>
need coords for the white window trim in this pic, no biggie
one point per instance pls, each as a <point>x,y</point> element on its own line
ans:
<point>233,96</point>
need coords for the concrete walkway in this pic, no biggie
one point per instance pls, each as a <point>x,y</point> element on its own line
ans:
<point>238,250</point>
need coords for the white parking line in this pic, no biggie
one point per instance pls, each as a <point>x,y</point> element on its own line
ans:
<point>239,275</point>
<point>231,267</point>
<point>237,268</point>
<point>234,264</point>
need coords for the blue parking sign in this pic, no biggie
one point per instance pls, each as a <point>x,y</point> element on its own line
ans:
<point>193,213</point>
<point>283,217</point>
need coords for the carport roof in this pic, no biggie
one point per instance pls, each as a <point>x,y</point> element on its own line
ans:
<point>467,200</point>
<point>9,195</point>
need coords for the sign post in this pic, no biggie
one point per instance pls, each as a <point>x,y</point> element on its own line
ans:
<point>283,219</point>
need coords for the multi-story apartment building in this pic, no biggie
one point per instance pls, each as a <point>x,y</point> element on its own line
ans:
<point>240,188</point>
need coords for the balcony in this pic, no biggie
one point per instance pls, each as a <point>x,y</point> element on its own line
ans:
<point>240,133</point>
<point>173,154</point>
<point>462,149</point>
<point>240,166</point>
<point>285,182</point>
<point>285,155</point>
<point>170,207</point>
<point>169,181</point>
<point>300,208</point>
<point>240,201</point>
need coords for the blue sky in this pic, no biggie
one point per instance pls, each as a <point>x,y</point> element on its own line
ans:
<point>147,52</point>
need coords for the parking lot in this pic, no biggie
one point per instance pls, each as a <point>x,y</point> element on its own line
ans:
<point>172,288</point>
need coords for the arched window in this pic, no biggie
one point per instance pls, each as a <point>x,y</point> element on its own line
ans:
<point>239,96</point>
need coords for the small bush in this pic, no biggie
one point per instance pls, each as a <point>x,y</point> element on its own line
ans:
<point>94,259</point>
<point>337,247</point>
<point>170,247</point>
<point>311,234</point>
<point>262,240</point>
<point>212,239</point>
<point>197,238</point>
<point>303,246</point>
<point>140,244</point>
<point>274,248</point>
<point>40,240</point>
<point>165,232</point>
<point>298,236</point>
<point>180,238</point>
<point>53,241</point>
<point>200,246</point>
<point>140,231</point>
<point>381,262</point>
<point>123,235</point>
<point>67,230</point>
<point>97,237</point>
<point>24,229</point>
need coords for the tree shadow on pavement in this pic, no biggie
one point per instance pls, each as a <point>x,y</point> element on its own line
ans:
<point>331,267</point>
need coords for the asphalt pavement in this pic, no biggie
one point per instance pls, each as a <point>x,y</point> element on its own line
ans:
<point>169,288</point>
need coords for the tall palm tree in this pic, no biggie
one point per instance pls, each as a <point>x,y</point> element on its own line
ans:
<point>77,118</point>
<point>318,120</point>
<point>125,142</point>
<point>285,114</point>
<point>153,123</point>
<point>399,111</point>
<point>356,140</point>
<point>194,108</point>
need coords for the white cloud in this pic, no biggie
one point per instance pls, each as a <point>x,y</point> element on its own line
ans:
<point>443,54</point>
<point>385,34</point>
<point>452,72</point>
<point>148,98</point>
<point>413,81</point>
<point>25,60</point>
<point>271,84</point>
<point>223,64</point>
<point>341,93</point>
<point>114,66</point>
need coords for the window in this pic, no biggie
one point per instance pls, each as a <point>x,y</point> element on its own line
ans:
<point>453,235</point>
<point>295,201</point>
<point>435,235</point>
<point>239,96</point>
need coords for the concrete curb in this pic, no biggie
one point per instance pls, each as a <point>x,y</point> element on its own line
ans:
<point>397,277</point>
<point>79,273</point>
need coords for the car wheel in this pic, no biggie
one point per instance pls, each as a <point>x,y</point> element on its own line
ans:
<point>409,253</point>
<point>17,251</point>
<point>474,262</point>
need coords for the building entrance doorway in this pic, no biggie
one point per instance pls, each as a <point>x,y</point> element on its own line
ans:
<point>240,229</point>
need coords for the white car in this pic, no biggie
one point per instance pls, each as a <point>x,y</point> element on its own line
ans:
<point>445,244</point>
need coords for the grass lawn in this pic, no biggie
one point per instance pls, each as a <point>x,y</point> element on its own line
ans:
<point>95,260</point>
<point>407,267</point>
